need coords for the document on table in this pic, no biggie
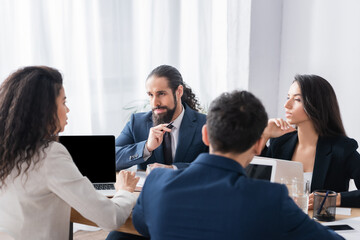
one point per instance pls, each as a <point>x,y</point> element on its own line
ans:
<point>142,175</point>
<point>347,234</point>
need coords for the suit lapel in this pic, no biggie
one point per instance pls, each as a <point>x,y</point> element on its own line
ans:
<point>159,155</point>
<point>149,124</point>
<point>186,134</point>
<point>322,163</point>
<point>288,148</point>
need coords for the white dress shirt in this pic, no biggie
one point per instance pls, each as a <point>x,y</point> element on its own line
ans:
<point>36,205</point>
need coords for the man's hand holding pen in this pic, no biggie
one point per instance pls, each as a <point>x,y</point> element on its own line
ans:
<point>156,135</point>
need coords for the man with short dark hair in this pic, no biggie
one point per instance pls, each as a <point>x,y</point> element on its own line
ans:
<point>213,198</point>
<point>172,101</point>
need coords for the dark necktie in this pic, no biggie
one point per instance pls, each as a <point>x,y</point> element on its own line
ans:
<point>167,147</point>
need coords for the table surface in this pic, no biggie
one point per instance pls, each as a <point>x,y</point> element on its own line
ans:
<point>355,212</point>
<point>128,227</point>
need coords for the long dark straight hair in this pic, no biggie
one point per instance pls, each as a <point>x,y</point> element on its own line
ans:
<point>28,117</point>
<point>321,105</point>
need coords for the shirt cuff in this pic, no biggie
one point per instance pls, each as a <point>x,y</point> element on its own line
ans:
<point>146,153</point>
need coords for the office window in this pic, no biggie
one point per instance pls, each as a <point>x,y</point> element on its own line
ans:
<point>105,50</point>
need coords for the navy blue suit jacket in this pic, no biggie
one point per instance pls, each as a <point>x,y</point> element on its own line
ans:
<point>131,142</point>
<point>336,162</point>
<point>213,199</point>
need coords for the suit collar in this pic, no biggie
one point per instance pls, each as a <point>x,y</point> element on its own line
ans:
<point>288,148</point>
<point>189,112</point>
<point>219,162</point>
<point>178,120</point>
<point>322,158</point>
<point>322,162</point>
<point>186,132</point>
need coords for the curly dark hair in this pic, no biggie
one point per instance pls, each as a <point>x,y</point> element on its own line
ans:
<point>321,105</point>
<point>28,117</point>
<point>175,79</point>
<point>241,116</point>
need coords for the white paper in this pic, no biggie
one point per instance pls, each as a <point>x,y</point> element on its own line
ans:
<point>343,211</point>
<point>142,176</point>
<point>347,234</point>
<point>83,227</point>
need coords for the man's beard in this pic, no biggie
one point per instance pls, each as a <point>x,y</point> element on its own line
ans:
<point>164,117</point>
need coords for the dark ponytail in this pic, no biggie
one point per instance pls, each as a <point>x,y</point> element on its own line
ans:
<point>189,98</point>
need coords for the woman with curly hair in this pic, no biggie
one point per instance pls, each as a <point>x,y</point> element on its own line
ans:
<point>39,182</point>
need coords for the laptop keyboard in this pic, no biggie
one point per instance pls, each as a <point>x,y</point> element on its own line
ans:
<point>104,186</point>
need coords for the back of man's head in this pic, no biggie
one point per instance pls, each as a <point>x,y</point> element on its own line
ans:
<point>235,121</point>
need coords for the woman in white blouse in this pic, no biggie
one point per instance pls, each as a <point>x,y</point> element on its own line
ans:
<point>39,183</point>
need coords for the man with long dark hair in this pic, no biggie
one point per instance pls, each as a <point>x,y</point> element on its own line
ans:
<point>149,138</point>
<point>143,140</point>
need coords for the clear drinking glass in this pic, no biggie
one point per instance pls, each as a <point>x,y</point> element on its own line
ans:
<point>288,183</point>
<point>300,193</point>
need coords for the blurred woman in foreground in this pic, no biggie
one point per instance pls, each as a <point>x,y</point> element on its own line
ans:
<point>39,182</point>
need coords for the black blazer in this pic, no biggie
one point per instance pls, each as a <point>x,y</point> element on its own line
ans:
<point>336,162</point>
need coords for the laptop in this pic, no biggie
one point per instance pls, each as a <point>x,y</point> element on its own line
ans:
<point>94,155</point>
<point>274,170</point>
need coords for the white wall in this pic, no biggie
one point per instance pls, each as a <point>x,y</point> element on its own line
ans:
<point>265,43</point>
<point>323,37</point>
<point>319,37</point>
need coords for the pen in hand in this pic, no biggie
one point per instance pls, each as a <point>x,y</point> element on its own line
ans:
<point>169,125</point>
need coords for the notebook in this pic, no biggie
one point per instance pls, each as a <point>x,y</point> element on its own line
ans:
<point>94,155</point>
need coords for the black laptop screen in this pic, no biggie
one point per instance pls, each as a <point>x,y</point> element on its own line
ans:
<point>258,171</point>
<point>93,155</point>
